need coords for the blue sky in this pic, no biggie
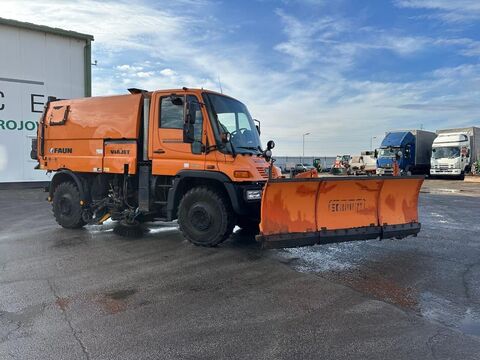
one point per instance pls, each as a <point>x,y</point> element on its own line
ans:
<point>345,70</point>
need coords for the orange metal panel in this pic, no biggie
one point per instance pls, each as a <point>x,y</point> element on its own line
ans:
<point>307,174</point>
<point>117,154</point>
<point>110,117</point>
<point>315,205</point>
<point>76,155</point>
<point>398,203</point>
<point>347,203</point>
<point>288,207</point>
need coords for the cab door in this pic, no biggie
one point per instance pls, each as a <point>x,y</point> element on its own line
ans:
<point>168,151</point>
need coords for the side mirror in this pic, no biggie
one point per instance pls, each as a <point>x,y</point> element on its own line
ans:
<point>188,133</point>
<point>257,125</point>
<point>226,137</point>
<point>190,113</point>
<point>267,154</point>
<point>176,100</point>
<point>191,109</point>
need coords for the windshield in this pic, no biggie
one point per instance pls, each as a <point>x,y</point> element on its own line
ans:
<point>388,152</point>
<point>233,117</point>
<point>445,152</point>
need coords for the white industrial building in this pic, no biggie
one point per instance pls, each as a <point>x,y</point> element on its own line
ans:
<point>35,62</point>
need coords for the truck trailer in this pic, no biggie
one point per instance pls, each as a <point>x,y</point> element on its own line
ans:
<point>411,149</point>
<point>195,156</point>
<point>454,151</point>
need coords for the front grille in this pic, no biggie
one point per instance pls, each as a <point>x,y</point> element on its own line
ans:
<point>263,172</point>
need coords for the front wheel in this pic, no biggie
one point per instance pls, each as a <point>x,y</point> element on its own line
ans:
<point>66,206</point>
<point>205,217</point>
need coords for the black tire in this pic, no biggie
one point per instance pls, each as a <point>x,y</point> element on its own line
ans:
<point>250,226</point>
<point>205,217</point>
<point>66,206</point>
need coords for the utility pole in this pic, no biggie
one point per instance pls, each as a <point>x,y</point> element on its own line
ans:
<point>371,142</point>
<point>303,153</point>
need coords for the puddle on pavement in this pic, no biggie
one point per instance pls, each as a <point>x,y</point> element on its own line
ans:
<point>114,302</point>
<point>346,264</point>
<point>161,228</point>
<point>146,229</point>
<point>470,324</point>
<point>450,314</point>
<point>69,241</point>
<point>320,258</point>
<point>121,294</point>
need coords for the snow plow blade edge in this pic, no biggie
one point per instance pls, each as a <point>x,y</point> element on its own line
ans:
<point>302,212</point>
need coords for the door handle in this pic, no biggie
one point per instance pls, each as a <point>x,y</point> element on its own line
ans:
<point>159,151</point>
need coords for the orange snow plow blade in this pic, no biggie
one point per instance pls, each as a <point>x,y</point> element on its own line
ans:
<point>300,212</point>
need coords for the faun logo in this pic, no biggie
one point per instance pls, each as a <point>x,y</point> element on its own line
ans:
<point>119,152</point>
<point>61,150</point>
<point>350,205</point>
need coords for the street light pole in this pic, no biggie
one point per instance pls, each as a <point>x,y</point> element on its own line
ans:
<point>303,153</point>
<point>371,142</point>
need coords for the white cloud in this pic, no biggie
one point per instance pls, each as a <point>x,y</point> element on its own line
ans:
<point>129,68</point>
<point>144,74</point>
<point>161,47</point>
<point>448,10</point>
<point>168,72</point>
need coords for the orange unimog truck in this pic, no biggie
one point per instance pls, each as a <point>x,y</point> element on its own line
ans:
<point>195,155</point>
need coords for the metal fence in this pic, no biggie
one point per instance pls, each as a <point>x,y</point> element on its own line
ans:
<point>282,161</point>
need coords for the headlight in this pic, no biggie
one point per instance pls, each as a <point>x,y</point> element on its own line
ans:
<point>254,194</point>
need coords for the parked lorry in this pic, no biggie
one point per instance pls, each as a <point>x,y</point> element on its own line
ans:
<point>412,149</point>
<point>365,164</point>
<point>454,151</point>
<point>195,156</point>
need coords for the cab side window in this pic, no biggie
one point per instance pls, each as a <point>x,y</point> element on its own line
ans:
<point>171,117</point>
<point>171,114</point>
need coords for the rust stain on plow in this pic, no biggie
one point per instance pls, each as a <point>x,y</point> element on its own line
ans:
<point>306,191</point>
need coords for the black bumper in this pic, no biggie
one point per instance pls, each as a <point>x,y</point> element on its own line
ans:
<point>242,206</point>
<point>336,236</point>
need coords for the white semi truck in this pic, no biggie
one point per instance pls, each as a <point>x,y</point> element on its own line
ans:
<point>454,151</point>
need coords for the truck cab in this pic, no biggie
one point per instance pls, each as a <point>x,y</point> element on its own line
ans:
<point>411,149</point>
<point>399,146</point>
<point>451,154</point>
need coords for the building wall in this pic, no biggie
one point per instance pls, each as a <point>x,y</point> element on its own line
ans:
<point>33,66</point>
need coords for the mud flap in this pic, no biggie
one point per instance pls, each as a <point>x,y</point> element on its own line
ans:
<point>301,212</point>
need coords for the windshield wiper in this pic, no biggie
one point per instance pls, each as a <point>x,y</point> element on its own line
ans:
<point>247,147</point>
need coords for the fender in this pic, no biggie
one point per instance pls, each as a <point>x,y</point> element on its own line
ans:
<point>67,175</point>
<point>174,193</point>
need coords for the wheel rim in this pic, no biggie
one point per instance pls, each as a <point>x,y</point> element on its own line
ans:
<point>200,217</point>
<point>65,205</point>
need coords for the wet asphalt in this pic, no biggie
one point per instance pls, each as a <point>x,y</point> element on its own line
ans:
<point>90,294</point>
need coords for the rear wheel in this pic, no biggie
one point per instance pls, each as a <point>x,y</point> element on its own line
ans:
<point>205,217</point>
<point>66,206</point>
